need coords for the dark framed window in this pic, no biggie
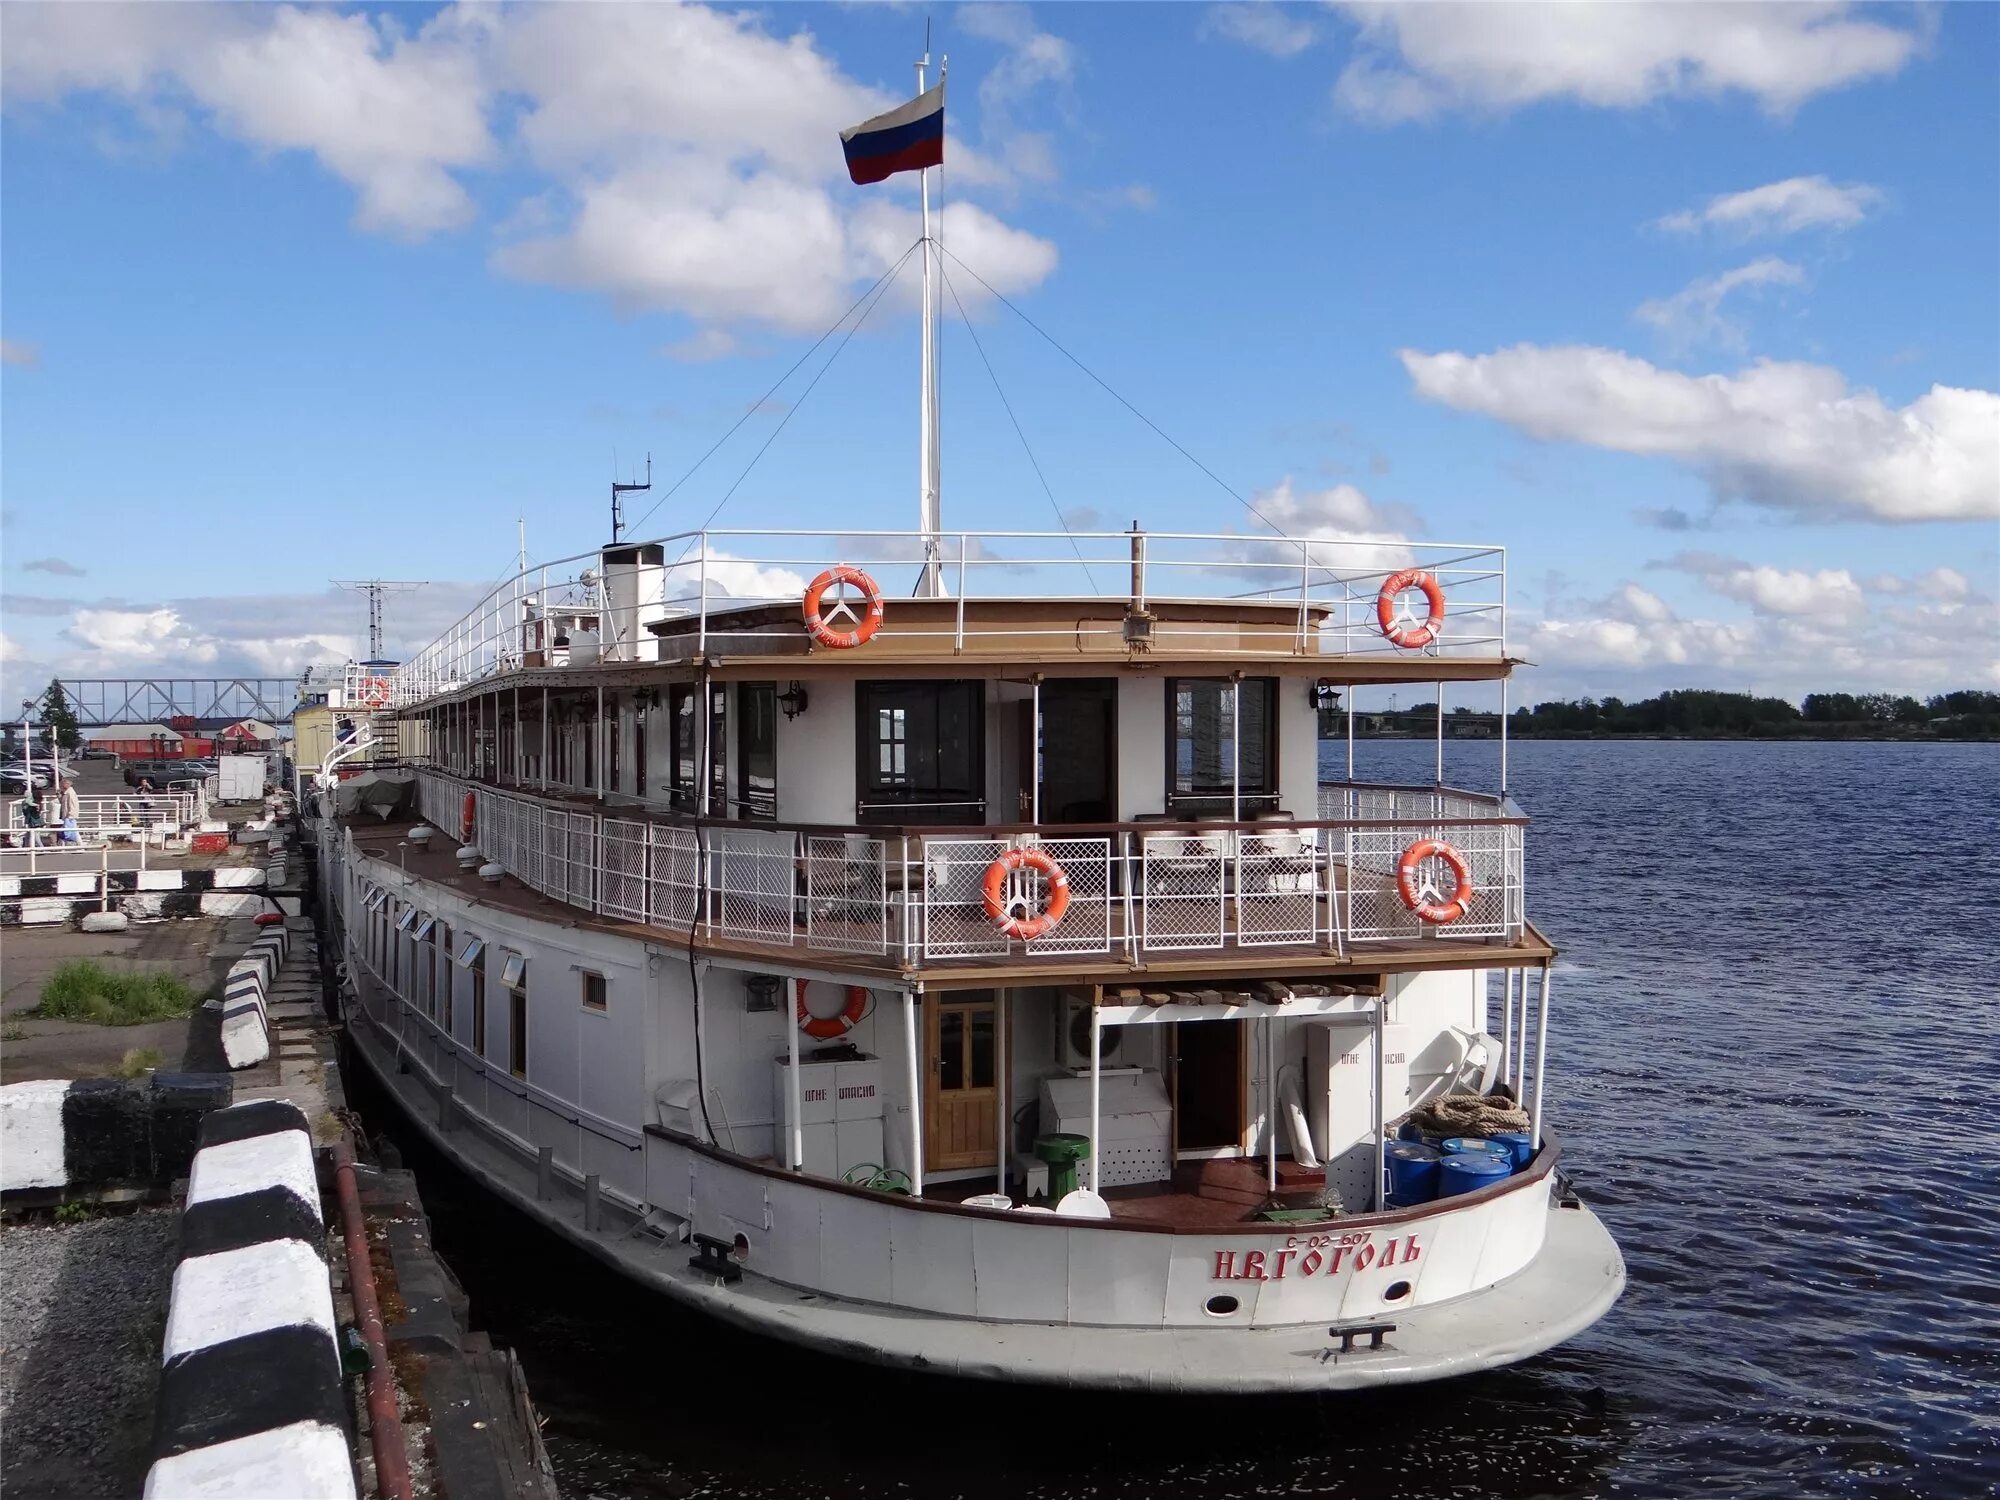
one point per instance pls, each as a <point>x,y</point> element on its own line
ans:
<point>681,702</point>
<point>639,751</point>
<point>478,967</point>
<point>514,979</point>
<point>611,738</point>
<point>596,993</point>
<point>442,968</point>
<point>1202,737</point>
<point>757,750</point>
<point>920,754</point>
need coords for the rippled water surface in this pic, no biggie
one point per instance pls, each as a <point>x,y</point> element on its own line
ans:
<point>1776,1051</point>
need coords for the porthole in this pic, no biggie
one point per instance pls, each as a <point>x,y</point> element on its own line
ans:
<point>741,1247</point>
<point>1398,1290</point>
<point>1221,1305</point>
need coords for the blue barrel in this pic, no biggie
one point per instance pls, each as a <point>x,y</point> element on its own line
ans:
<point>1520,1145</point>
<point>1459,1145</point>
<point>1413,1173</point>
<point>1469,1171</point>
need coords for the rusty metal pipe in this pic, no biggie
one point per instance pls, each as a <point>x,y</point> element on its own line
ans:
<point>385,1422</point>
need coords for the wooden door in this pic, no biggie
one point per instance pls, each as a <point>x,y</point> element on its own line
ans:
<point>962,1095</point>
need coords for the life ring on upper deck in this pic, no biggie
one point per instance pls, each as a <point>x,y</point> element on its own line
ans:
<point>467,818</point>
<point>1401,630</point>
<point>820,623</point>
<point>1436,912</point>
<point>825,1028</point>
<point>1029,924</point>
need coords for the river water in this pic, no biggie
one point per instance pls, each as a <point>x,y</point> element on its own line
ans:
<point>1776,1035</point>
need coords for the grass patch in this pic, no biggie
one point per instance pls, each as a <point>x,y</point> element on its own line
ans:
<point>138,1062</point>
<point>84,990</point>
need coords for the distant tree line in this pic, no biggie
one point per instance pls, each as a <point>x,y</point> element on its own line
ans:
<point>1699,713</point>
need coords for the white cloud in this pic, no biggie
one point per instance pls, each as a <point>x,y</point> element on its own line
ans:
<point>1694,314</point>
<point>1359,536</point>
<point>745,580</point>
<point>1780,208</point>
<point>703,345</point>
<point>391,113</point>
<point>1416,61</point>
<point>688,156</point>
<point>133,635</point>
<point>1946,584</point>
<point>1276,30</point>
<point>23,356</point>
<point>1792,437</point>
<point>1829,593</point>
<point>1632,643</point>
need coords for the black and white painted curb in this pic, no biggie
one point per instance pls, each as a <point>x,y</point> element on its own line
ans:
<point>143,895</point>
<point>57,1133</point>
<point>251,1401</point>
<point>246,1003</point>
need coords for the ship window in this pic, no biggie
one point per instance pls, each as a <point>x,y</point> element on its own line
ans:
<point>951,1048</point>
<point>478,967</point>
<point>920,756</point>
<point>424,927</point>
<point>514,979</point>
<point>445,979</point>
<point>469,954</point>
<point>595,992</point>
<point>757,755</point>
<point>1204,757</point>
<point>687,753</point>
<point>375,899</point>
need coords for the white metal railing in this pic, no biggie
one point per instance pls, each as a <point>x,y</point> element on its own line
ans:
<point>136,811</point>
<point>1320,594</point>
<point>917,896</point>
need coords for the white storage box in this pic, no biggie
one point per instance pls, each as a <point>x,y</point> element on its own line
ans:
<point>840,1113</point>
<point>1134,1123</point>
<point>1340,1099</point>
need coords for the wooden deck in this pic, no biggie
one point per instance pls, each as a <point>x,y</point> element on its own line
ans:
<point>1220,1194</point>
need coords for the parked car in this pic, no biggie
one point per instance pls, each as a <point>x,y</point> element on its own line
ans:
<point>160,772</point>
<point>18,778</point>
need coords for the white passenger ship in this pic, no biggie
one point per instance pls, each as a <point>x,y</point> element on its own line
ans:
<point>788,918</point>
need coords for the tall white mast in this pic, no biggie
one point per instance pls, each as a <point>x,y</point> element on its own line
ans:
<point>930,456</point>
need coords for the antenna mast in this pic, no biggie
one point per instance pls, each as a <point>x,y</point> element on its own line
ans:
<point>375,588</point>
<point>618,494</point>
<point>930,456</point>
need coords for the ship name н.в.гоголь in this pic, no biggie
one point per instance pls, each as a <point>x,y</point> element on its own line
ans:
<point>941,948</point>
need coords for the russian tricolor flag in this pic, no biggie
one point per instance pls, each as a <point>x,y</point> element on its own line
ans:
<point>906,139</point>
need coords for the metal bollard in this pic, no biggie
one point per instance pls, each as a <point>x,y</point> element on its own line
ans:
<point>545,1173</point>
<point>593,1207</point>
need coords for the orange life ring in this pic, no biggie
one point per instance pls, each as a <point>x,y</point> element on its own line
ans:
<point>828,1027</point>
<point>1438,912</point>
<point>998,908</point>
<point>466,818</point>
<point>374,692</point>
<point>1410,635</point>
<point>865,624</point>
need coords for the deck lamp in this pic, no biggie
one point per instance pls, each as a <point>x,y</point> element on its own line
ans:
<point>1323,694</point>
<point>793,701</point>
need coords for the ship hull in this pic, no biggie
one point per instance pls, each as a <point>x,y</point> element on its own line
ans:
<point>1571,1281</point>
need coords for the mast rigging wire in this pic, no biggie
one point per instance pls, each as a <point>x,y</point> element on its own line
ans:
<point>758,405</point>
<point>1006,302</point>
<point>1034,462</point>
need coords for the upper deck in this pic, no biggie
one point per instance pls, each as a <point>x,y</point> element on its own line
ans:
<point>987,601</point>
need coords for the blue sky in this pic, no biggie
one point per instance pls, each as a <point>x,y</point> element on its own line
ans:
<point>1697,310</point>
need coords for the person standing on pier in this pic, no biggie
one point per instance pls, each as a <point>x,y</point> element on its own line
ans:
<point>69,811</point>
